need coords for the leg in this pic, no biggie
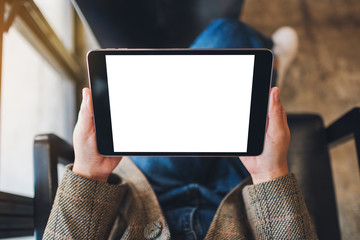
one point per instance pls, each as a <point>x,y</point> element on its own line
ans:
<point>230,33</point>
<point>189,189</point>
<point>168,173</point>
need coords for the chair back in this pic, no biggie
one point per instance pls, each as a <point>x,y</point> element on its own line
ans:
<point>309,160</point>
<point>49,150</point>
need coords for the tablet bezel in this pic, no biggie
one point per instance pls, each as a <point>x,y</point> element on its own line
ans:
<point>259,98</point>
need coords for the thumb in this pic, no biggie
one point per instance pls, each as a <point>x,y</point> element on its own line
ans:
<point>85,121</point>
<point>276,110</point>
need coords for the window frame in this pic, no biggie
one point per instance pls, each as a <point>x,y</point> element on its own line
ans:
<point>27,18</point>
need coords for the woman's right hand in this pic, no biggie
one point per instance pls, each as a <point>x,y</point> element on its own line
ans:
<point>88,162</point>
<point>272,163</point>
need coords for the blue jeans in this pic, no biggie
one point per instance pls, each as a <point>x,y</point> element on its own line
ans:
<point>190,189</point>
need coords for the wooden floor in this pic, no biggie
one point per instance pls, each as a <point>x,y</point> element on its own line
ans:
<point>325,78</point>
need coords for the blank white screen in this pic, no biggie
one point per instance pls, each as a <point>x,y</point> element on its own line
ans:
<point>182,103</point>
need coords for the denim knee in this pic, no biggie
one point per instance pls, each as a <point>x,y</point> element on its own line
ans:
<point>231,33</point>
<point>228,25</point>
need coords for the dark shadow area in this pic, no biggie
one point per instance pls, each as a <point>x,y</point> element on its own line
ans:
<point>153,23</point>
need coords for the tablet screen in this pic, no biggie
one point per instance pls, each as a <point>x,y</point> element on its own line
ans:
<point>180,103</point>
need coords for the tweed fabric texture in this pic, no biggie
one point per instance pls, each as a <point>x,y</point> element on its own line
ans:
<point>83,208</point>
<point>140,215</point>
<point>86,209</point>
<point>276,210</point>
<point>230,220</point>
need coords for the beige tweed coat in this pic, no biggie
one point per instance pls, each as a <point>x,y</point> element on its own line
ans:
<point>126,208</point>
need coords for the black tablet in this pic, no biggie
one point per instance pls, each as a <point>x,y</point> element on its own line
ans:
<point>180,102</point>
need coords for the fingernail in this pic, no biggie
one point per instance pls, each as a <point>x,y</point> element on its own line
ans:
<point>277,95</point>
<point>84,95</point>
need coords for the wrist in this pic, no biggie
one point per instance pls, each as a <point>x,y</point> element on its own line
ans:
<point>268,176</point>
<point>90,173</point>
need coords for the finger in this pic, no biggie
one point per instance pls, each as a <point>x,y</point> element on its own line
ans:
<point>269,108</point>
<point>276,112</point>
<point>85,118</point>
<point>89,100</point>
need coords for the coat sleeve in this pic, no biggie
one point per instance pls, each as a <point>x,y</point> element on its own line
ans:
<point>84,208</point>
<point>276,210</point>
